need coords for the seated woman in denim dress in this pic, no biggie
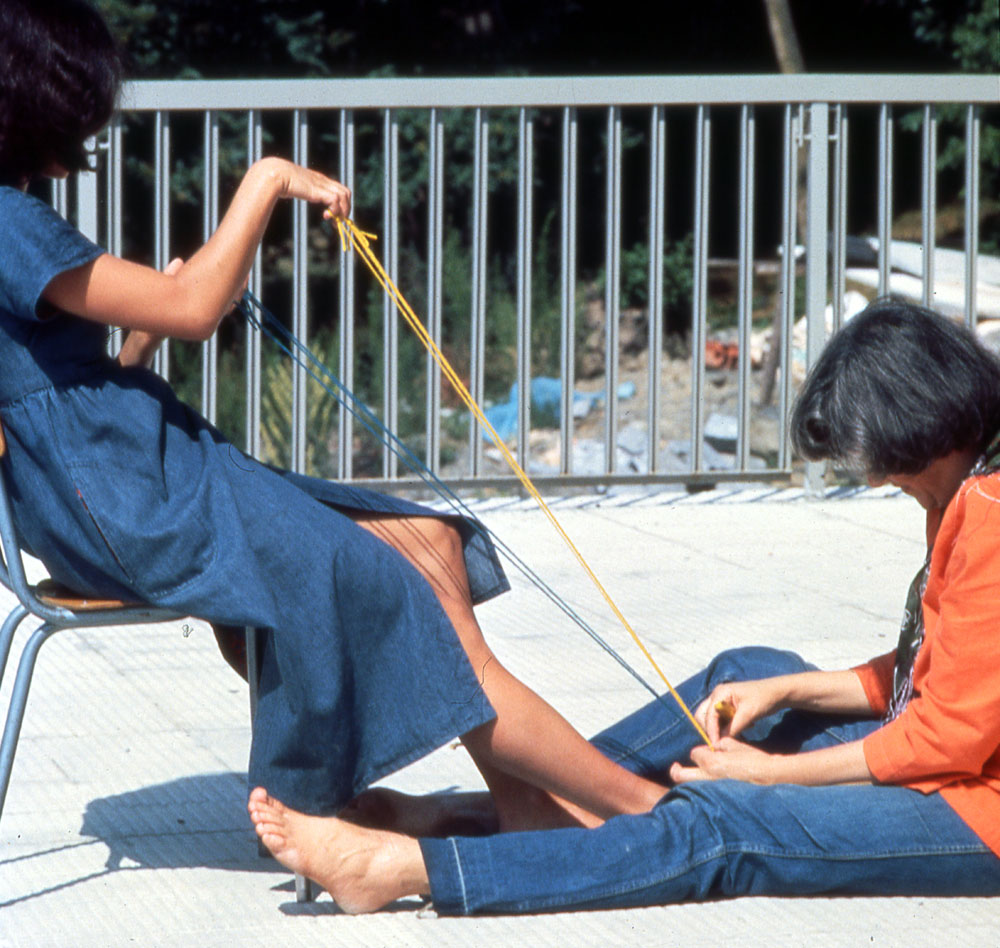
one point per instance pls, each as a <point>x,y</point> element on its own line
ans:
<point>373,656</point>
<point>882,779</point>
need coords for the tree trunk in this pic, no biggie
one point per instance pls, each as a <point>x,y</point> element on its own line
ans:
<point>788,53</point>
<point>785,40</point>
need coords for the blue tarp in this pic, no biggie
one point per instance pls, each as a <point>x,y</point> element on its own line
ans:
<point>545,403</point>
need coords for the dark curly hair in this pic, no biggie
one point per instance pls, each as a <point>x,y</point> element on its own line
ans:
<point>60,72</point>
<point>898,387</point>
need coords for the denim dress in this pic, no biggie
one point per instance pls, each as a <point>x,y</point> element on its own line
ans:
<point>122,490</point>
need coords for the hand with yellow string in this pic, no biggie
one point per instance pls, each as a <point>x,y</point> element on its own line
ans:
<point>727,711</point>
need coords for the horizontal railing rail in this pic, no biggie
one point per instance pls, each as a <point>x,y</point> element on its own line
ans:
<point>580,92</point>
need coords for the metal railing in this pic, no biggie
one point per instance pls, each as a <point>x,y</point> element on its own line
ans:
<point>804,122</point>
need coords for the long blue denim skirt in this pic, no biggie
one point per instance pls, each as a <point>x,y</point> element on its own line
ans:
<point>120,489</point>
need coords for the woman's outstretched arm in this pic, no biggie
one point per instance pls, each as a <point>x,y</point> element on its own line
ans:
<point>734,760</point>
<point>734,706</point>
<point>188,304</point>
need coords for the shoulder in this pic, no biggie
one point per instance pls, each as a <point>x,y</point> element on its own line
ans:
<point>25,213</point>
<point>979,493</point>
<point>973,516</point>
<point>37,244</point>
<point>18,203</point>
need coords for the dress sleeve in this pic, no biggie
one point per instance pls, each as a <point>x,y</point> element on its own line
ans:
<point>951,726</point>
<point>37,245</point>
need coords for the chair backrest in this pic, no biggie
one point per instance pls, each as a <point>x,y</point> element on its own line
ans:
<point>12,573</point>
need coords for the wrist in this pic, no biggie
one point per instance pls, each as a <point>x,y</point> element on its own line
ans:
<point>267,178</point>
<point>799,691</point>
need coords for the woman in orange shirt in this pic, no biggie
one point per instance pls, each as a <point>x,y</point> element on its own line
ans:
<point>884,779</point>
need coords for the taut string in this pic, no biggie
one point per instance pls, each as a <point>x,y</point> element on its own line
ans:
<point>353,238</point>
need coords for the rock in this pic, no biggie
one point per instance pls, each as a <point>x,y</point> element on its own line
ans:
<point>721,432</point>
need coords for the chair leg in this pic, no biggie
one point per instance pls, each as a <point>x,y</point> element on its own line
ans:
<point>7,635</point>
<point>18,703</point>
<point>304,890</point>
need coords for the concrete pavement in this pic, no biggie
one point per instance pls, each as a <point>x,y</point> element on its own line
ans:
<point>125,821</point>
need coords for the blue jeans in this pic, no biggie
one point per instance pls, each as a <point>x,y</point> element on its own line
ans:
<point>724,838</point>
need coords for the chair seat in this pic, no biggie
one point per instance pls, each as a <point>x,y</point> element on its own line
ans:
<point>52,593</point>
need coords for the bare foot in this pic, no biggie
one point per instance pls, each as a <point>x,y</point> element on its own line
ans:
<point>433,814</point>
<point>362,869</point>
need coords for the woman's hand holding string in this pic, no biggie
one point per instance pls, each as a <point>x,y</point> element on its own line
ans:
<point>306,184</point>
<point>734,706</point>
<point>728,759</point>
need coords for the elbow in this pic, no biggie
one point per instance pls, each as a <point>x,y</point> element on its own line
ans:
<point>205,327</point>
<point>194,327</point>
<point>196,313</point>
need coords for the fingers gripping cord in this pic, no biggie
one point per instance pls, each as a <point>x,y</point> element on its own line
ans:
<point>352,238</point>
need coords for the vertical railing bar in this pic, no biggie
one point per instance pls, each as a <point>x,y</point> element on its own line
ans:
<point>567,320</point>
<point>87,220</point>
<point>255,150</point>
<point>113,207</point>
<point>435,229</point>
<point>390,316</point>
<point>161,214</point>
<point>114,186</point>
<point>816,230</point>
<point>524,260</point>
<point>699,306</point>
<point>477,366</point>
<point>612,286</point>
<point>745,279</point>
<point>787,289</point>
<point>817,220</point>
<point>210,221</point>
<point>884,196</point>
<point>300,298</point>
<point>657,220</point>
<point>345,453</point>
<point>972,121</point>
<point>838,249</point>
<point>60,196</point>
<point>928,200</point>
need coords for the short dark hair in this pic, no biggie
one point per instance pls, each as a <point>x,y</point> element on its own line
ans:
<point>898,387</point>
<point>60,71</point>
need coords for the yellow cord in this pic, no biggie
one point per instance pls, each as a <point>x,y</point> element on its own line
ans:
<point>352,237</point>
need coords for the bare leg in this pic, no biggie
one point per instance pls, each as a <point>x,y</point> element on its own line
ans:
<point>363,869</point>
<point>540,770</point>
<point>429,815</point>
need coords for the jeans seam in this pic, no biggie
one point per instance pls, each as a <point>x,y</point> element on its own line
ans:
<point>726,851</point>
<point>461,876</point>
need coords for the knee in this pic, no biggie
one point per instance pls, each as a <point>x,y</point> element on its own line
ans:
<point>752,662</point>
<point>445,539</point>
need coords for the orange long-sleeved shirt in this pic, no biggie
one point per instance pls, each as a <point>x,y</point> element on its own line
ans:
<point>948,737</point>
